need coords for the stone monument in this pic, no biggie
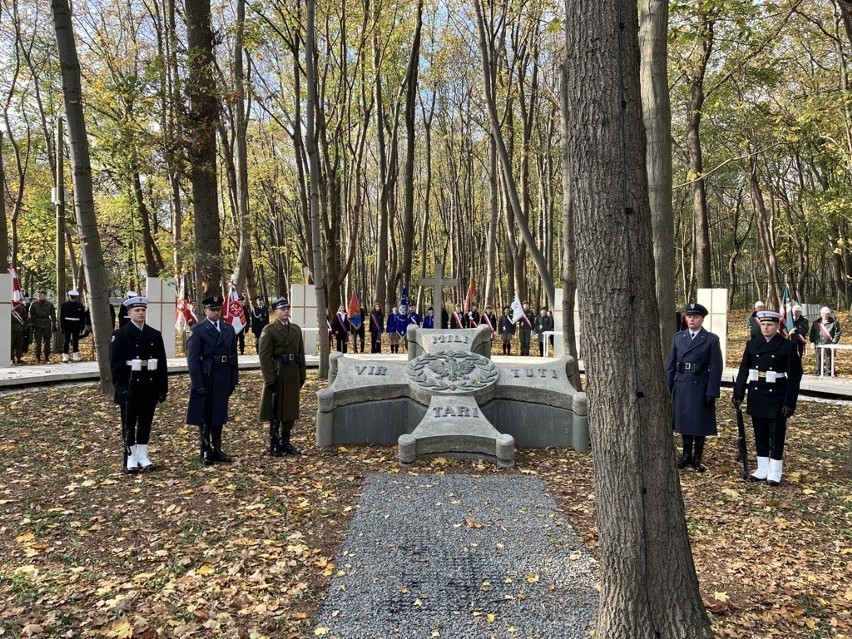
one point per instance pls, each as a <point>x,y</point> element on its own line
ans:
<point>451,399</point>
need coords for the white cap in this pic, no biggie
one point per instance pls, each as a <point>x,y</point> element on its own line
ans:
<point>73,293</point>
<point>758,304</point>
<point>825,309</point>
<point>132,294</point>
<point>797,308</point>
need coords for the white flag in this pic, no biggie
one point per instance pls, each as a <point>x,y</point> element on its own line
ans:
<point>517,309</point>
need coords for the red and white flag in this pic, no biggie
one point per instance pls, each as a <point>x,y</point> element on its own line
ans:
<point>233,311</point>
<point>184,315</point>
<point>470,298</point>
<point>17,296</point>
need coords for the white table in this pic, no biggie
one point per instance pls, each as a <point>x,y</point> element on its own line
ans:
<point>832,348</point>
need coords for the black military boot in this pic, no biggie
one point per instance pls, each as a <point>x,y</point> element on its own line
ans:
<point>274,440</point>
<point>699,451</point>
<point>686,459</point>
<point>286,446</point>
<point>206,449</point>
<point>218,454</point>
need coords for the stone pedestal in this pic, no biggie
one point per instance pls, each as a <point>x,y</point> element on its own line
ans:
<point>162,303</point>
<point>450,399</point>
<point>303,311</point>
<point>5,320</point>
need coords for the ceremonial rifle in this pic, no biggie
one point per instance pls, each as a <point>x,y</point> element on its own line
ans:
<point>741,439</point>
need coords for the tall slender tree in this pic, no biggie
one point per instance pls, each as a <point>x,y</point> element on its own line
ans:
<point>84,205</point>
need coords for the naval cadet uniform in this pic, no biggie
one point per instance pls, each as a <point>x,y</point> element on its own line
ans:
<point>137,359</point>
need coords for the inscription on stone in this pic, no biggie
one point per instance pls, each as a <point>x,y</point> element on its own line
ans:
<point>456,411</point>
<point>534,372</point>
<point>450,339</point>
<point>371,370</point>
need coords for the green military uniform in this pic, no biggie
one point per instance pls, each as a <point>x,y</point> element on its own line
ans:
<point>19,332</point>
<point>282,359</point>
<point>43,323</point>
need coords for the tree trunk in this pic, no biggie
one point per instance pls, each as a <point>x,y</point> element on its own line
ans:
<point>84,205</point>
<point>657,115</point>
<point>243,266</point>
<point>203,122</point>
<point>313,165</point>
<point>649,587</point>
<point>509,180</point>
<point>408,177</point>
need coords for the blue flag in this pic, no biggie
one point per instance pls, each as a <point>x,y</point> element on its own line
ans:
<point>403,301</point>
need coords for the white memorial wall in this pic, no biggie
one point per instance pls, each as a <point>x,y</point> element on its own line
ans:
<point>303,312</point>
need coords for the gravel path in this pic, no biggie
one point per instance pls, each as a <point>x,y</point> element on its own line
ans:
<point>459,556</point>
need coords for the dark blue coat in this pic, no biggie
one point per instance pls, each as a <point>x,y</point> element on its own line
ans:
<point>211,357</point>
<point>702,356</point>
<point>393,321</point>
<point>780,355</point>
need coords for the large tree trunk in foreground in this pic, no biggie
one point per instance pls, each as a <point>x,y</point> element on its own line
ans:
<point>84,204</point>
<point>203,121</point>
<point>649,587</point>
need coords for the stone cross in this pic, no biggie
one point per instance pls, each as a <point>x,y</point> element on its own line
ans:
<point>450,398</point>
<point>438,282</point>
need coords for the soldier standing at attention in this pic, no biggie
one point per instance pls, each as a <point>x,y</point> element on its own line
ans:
<point>799,333</point>
<point>137,360</point>
<point>282,361</point>
<point>211,357</point>
<point>43,322</point>
<point>771,369</point>
<point>259,319</point>
<point>72,318</point>
<point>694,377</point>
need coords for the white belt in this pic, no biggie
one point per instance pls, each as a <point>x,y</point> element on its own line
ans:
<point>139,364</point>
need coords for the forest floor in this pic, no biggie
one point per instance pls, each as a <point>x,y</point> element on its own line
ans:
<point>246,550</point>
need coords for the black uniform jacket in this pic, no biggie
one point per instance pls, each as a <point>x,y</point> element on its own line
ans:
<point>211,357</point>
<point>129,343</point>
<point>765,399</point>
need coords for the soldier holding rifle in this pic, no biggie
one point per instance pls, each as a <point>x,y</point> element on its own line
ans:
<point>211,356</point>
<point>137,358</point>
<point>282,361</point>
<point>771,370</point>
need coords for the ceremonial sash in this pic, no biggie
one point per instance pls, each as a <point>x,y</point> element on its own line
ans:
<point>825,333</point>
<point>526,320</point>
<point>488,321</point>
<point>341,322</point>
<point>412,320</point>
<point>17,317</point>
<point>375,322</point>
<point>458,320</point>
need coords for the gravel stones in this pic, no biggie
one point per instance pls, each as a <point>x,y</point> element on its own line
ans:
<point>459,556</point>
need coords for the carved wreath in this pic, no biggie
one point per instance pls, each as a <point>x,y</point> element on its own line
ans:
<point>454,371</point>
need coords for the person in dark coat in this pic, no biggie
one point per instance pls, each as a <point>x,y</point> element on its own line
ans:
<point>43,322</point>
<point>771,370</point>
<point>282,361</point>
<point>137,360</point>
<point>211,357</point>
<point>259,319</point>
<point>457,319</point>
<point>340,326</point>
<point>241,336</point>
<point>72,320</point>
<point>799,333</point>
<point>525,327</point>
<point>543,323</point>
<point>429,318</point>
<point>377,327</point>
<point>694,377</point>
<point>506,329</point>
<point>753,322</point>
<point>489,319</point>
<point>472,316</point>
<point>359,331</point>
